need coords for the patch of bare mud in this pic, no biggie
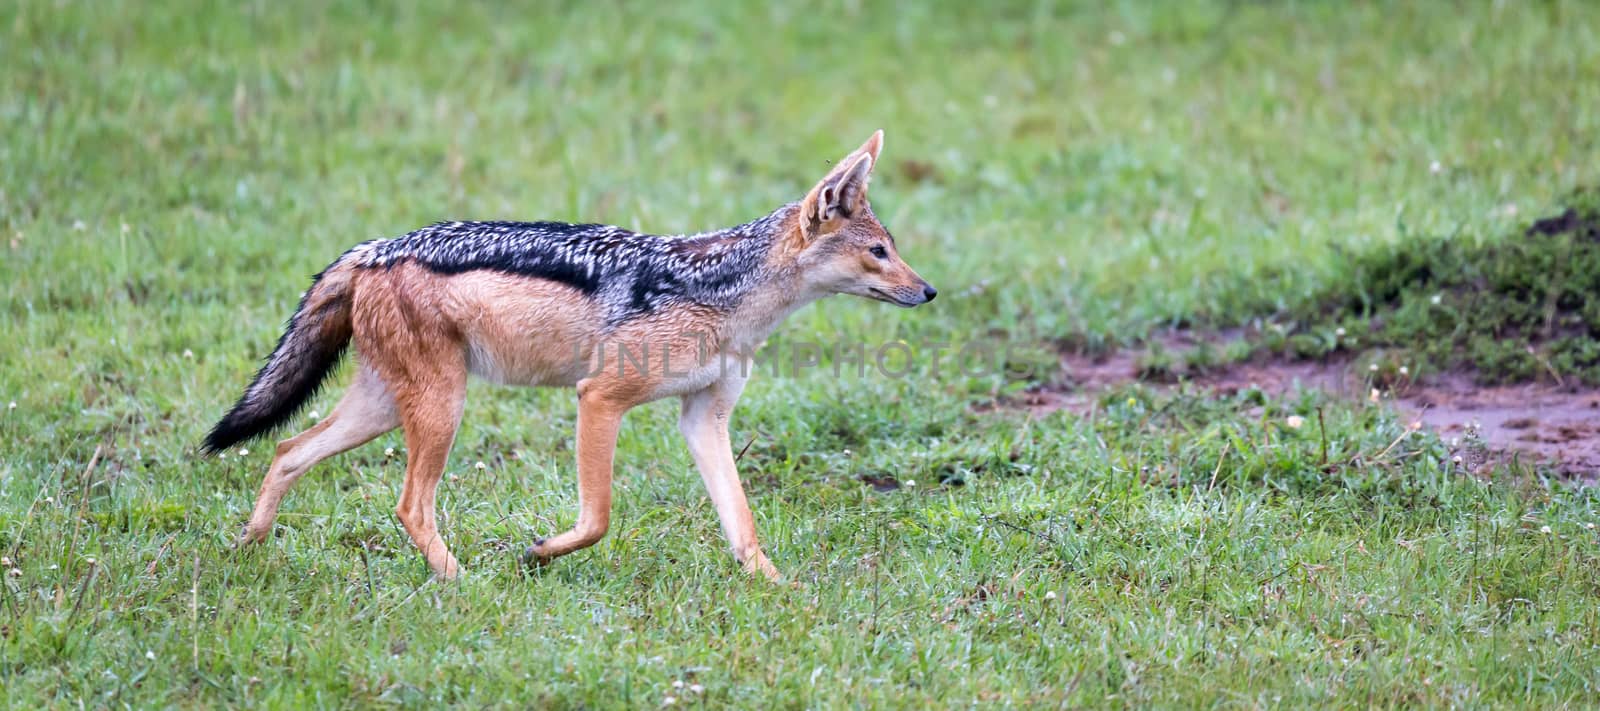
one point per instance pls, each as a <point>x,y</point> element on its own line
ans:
<point>1556,425</point>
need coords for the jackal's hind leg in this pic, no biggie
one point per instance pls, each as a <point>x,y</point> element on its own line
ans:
<point>430,418</point>
<point>366,411</point>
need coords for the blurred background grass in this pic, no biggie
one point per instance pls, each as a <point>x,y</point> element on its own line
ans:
<point>172,172</point>
<point>1069,172</point>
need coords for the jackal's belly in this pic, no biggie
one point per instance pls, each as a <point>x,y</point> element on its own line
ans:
<point>651,368</point>
<point>520,330</point>
<point>526,331</point>
<point>533,366</point>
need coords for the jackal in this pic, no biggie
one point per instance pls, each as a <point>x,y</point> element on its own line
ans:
<point>533,304</point>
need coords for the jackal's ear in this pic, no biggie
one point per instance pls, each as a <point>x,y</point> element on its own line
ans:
<point>873,146</point>
<point>844,191</point>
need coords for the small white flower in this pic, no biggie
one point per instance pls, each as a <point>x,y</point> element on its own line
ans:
<point>16,572</point>
<point>188,354</point>
<point>1589,525</point>
<point>244,452</point>
<point>1051,595</point>
<point>53,566</point>
<point>222,455</point>
<point>1404,370</point>
<point>1437,299</point>
<point>314,415</point>
<point>1544,529</point>
<point>90,561</point>
<point>1294,421</point>
<point>1456,459</point>
<point>696,688</point>
<point>677,683</point>
<point>1374,395</point>
<point>150,655</point>
<point>5,561</point>
<point>668,701</point>
<point>79,225</point>
<point>1373,367</point>
<point>846,452</point>
<point>12,405</point>
<point>1435,168</point>
<point>125,228</point>
<point>49,499</point>
<point>1339,332</point>
<point>910,483</point>
<point>388,452</point>
<point>481,466</point>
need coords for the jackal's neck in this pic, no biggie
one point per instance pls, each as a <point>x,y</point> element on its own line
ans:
<point>773,289</point>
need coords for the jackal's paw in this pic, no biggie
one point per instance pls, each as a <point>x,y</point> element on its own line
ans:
<point>533,559</point>
<point>248,535</point>
<point>758,564</point>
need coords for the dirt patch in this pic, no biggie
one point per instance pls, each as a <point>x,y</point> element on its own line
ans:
<point>1557,426</point>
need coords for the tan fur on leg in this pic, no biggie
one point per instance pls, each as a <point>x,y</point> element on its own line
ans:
<point>599,418</point>
<point>366,411</point>
<point>430,418</point>
<point>419,354</point>
<point>704,424</point>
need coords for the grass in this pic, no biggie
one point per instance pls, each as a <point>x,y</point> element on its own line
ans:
<point>171,173</point>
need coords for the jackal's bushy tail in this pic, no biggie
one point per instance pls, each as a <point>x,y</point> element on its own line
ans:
<point>307,352</point>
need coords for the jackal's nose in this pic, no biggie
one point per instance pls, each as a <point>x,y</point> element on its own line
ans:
<point>928,292</point>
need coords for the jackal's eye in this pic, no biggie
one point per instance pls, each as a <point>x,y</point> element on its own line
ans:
<point>879,252</point>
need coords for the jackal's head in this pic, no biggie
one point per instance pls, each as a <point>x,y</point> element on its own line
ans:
<point>843,249</point>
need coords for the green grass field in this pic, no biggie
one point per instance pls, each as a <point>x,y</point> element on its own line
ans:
<point>171,173</point>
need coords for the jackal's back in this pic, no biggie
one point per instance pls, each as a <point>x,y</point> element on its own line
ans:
<point>630,273</point>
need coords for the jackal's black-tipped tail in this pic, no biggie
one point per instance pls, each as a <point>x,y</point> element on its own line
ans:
<point>307,353</point>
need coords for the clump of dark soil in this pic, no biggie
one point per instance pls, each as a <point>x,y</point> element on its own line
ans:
<point>1519,309</point>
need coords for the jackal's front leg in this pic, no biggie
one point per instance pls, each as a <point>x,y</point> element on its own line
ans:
<point>704,423</point>
<point>598,422</point>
